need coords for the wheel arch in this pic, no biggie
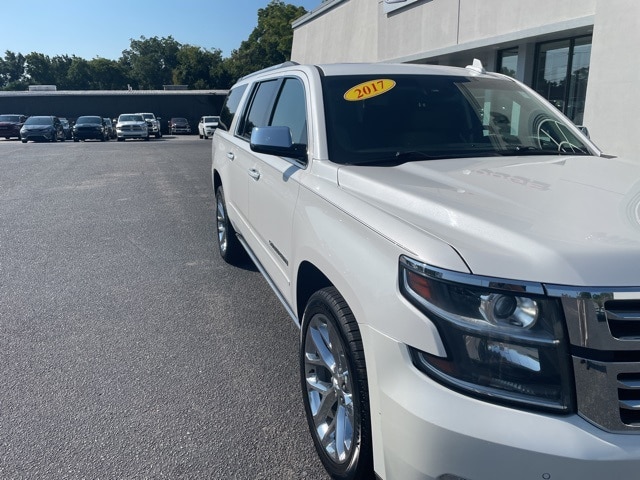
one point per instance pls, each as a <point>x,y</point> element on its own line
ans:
<point>309,280</point>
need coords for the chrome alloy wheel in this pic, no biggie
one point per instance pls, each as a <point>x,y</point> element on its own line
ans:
<point>329,388</point>
<point>221,222</point>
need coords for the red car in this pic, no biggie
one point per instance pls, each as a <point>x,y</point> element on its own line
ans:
<point>10,125</point>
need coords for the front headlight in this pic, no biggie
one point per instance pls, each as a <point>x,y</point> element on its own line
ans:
<point>505,340</point>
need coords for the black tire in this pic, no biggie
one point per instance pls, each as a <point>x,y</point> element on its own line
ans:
<point>76,139</point>
<point>120,139</point>
<point>336,393</point>
<point>229,246</point>
<point>24,140</point>
<point>146,139</point>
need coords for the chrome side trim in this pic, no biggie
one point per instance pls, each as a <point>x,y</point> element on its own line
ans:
<point>270,282</point>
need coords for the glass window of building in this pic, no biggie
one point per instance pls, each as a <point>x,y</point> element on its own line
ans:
<point>508,61</point>
<point>561,74</point>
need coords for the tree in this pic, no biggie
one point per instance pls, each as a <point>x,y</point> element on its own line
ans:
<point>269,43</point>
<point>39,69</point>
<point>12,71</point>
<point>151,61</point>
<point>108,74</point>
<point>195,66</point>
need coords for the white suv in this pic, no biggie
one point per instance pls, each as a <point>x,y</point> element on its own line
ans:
<point>207,125</point>
<point>461,260</point>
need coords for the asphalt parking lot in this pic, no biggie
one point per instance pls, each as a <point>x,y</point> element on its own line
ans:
<point>129,349</point>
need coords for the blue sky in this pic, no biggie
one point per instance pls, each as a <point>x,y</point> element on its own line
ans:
<point>90,29</point>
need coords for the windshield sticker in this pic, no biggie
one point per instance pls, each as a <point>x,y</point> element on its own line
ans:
<point>369,89</point>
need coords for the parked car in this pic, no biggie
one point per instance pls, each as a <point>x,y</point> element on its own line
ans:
<point>179,125</point>
<point>46,128</point>
<point>66,126</point>
<point>90,127</point>
<point>153,124</point>
<point>10,125</point>
<point>462,263</point>
<point>111,130</point>
<point>207,125</point>
<point>131,125</point>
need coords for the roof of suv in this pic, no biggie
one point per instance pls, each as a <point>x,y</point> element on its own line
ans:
<point>336,69</point>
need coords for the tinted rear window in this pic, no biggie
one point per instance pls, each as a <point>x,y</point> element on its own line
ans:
<point>230,107</point>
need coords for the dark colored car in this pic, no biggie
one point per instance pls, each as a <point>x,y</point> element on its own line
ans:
<point>10,125</point>
<point>179,125</point>
<point>66,126</point>
<point>46,128</point>
<point>111,128</point>
<point>90,127</point>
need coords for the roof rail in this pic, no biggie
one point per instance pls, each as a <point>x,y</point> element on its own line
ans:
<point>268,69</point>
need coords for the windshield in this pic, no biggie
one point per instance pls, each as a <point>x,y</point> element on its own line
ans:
<point>210,119</point>
<point>400,118</point>
<point>130,118</point>
<point>10,118</point>
<point>97,120</point>
<point>39,121</point>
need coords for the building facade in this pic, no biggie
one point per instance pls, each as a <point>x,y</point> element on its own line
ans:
<point>576,53</point>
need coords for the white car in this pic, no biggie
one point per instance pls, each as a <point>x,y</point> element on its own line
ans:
<point>153,124</point>
<point>207,125</point>
<point>131,125</point>
<point>461,260</point>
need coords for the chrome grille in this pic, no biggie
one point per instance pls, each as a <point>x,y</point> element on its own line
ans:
<point>624,319</point>
<point>604,331</point>
<point>629,395</point>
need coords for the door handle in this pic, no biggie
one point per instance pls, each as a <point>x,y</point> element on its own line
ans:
<point>230,155</point>
<point>255,174</point>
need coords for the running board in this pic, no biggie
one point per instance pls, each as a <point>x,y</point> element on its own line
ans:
<point>270,282</point>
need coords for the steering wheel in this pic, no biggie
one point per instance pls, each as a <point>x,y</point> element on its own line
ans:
<point>553,130</point>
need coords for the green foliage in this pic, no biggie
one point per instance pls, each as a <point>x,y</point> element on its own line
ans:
<point>150,63</point>
<point>269,43</point>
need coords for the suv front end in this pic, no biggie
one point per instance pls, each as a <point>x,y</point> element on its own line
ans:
<point>470,236</point>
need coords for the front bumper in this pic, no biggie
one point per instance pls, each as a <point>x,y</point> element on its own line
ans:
<point>89,135</point>
<point>42,135</point>
<point>423,430</point>
<point>129,132</point>
<point>8,131</point>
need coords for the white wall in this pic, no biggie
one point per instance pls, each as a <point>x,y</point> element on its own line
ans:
<point>613,92</point>
<point>360,30</point>
<point>346,33</point>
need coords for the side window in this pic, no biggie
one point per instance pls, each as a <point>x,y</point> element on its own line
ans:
<point>290,110</point>
<point>260,108</point>
<point>230,107</point>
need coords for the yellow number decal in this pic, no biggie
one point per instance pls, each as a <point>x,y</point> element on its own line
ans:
<point>369,89</point>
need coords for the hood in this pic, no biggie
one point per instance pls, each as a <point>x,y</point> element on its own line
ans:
<point>560,220</point>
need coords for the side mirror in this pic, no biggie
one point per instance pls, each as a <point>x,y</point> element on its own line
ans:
<point>584,130</point>
<point>276,141</point>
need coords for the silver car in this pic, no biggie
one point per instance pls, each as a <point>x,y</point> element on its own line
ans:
<point>131,125</point>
